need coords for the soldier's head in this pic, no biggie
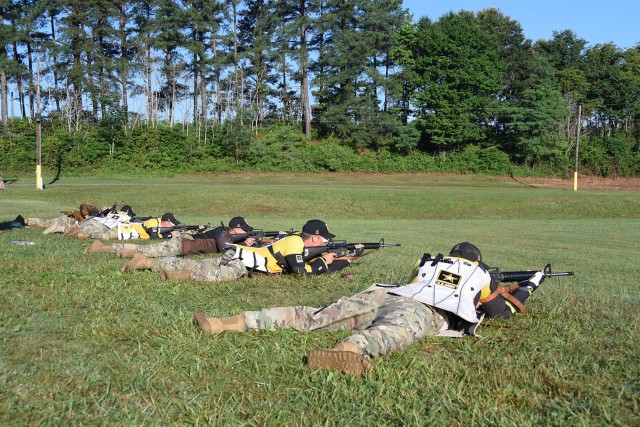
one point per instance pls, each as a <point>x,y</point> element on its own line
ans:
<point>238,225</point>
<point>466,250</point>
<point>316,232</point>
<point>168,220</point>
<point>129,211</point>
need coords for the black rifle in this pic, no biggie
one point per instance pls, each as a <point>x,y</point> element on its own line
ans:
<point>519,276</point>
<point>112,209</point>
<point>260,235</point>
<point>163,230</point>
<point>342,248</point>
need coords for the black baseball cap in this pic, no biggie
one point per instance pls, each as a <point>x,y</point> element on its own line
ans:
<point>466,250</point>
<point>169,217</point>
<point>240,222</point>
<point>317,227</point>
<point>129,211</point>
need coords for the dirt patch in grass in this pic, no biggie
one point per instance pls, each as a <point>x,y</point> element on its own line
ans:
<point>584,182</point>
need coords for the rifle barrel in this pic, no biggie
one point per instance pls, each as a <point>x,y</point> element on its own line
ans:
<point>519,276</point>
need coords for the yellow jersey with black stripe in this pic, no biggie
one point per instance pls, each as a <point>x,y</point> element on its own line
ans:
<point>283,256</point>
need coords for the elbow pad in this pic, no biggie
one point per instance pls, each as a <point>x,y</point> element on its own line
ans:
<point>316,267</point>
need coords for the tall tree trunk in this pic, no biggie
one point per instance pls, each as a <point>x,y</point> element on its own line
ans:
<point>235,51</point>
<point>92,86</point>
<point>56,94</point>
<point>30,67</point>
<point>101,78</point>
<point>196,116</point>
<point>18,77</point>
<point>385,105</point>
<point>31,84</point>
<point>216,74</point>
<point>171,78</point>
<point>77,70</point>
<point>173,96</point>
<point>3,81</point>
<point>304,74</point>
<point>149,90</point>
<point>203,89</point>
<point>3,103</point>
<point>124,63</point>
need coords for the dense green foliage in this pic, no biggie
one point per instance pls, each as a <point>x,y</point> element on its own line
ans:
<point>82,343</point>
<point>230,147</point>
<point>201,85</point>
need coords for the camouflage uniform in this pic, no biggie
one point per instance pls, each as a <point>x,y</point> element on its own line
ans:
<point>46,223</point>
<point>97,230</point>
<point>168,248</point>
<point>204,270</point>
<point>384,323</point>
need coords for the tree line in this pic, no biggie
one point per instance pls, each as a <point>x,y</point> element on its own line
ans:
<point>363,73</point>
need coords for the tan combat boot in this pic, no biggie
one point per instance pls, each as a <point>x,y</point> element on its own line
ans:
<point>345,357</point>
<point>139,262</point>
<point>126,252</point>
<point>98,247</point>
<point>213,325</point>
<point>175,275</point>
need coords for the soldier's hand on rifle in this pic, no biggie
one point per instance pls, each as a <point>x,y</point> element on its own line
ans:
<point>249,241</point>
<point>328,257</point>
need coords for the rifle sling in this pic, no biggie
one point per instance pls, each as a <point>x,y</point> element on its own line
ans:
<point>505,291</point>
<point>255,262</point>
<point>280,259</point>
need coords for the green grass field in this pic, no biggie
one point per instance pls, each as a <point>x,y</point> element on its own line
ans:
<point>82,343</point>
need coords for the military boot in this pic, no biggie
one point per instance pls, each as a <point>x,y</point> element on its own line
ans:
<point>175,275</point>
<point>345,357</point>
<point>139,262</point>
<point>213,325</point>
<point>98,247</point>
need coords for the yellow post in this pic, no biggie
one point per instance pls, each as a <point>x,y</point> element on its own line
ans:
<point>575,181</point>
<point>39,185</point>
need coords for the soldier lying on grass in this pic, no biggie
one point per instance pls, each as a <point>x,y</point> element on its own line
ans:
<point>449,296</point>
<point>214,240</point>
<point>285,256</point>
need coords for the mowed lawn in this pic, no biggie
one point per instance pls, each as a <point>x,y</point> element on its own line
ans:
<point>83,343</point>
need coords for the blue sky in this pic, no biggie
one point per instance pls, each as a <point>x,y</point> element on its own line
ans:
<point>616,21</point>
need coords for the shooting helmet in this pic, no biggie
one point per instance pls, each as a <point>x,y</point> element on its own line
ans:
<point>466,250</point>
<point>240,222</point>
<point>317,227</point>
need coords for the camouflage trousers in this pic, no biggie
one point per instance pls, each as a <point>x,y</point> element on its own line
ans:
<point>204,270</point>
<point>383,323</point>
<point>46,223</point>
<point>167,248</point>
<point>97,230</point>
<point>39,222</point>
